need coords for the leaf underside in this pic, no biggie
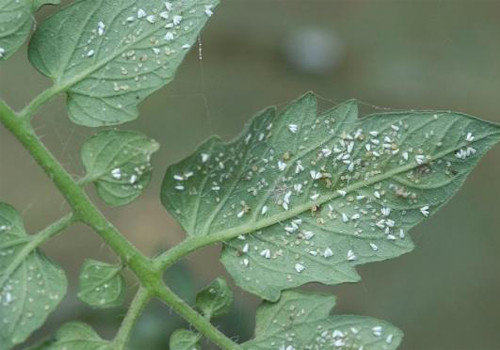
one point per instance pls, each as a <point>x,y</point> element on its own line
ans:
<point>182,339</point>
<point>16,22</point>
<point>308,197</point>
<point>101,284</point>
<point>109,55</point>
<point>216,299</point>
<point>119,164</point>
<point>301,321</point>
<point>31,285</point>
<point>76,336</point>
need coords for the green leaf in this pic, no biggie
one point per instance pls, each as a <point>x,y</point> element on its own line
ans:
<point>216,299</point>
<point>31,285</point>
<point>16,22</point>
<point>101,284</point>
<point>118,163</point>
<point>76,336</point>
<point>182,339</point>
<point>311,196</point>
<point>110,55</point>
<point>301,321</point>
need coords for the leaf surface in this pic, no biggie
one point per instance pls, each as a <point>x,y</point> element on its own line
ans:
<point>16,22</point>
<point>216,299</point>
<point>301,321</point>
<point>31,285</point>
<point>109,55</point>
<point>76,336</point>
<point>118,163</point>
<point>182,339</point>
<point>306,197</point>
<point>101,284</point>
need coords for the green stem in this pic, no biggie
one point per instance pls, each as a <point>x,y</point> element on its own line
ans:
<point>140,301</point>
<point>199,322</point>
<point>83,208</point>
<point>85,211</point>
<point>30,110</point>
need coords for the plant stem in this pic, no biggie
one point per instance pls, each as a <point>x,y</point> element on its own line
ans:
<point>85,211</point>
<point>140,301</point>
<point>199,322</point>
<point>83,208</point>
<point>53,230</point>
<point>29,111</point>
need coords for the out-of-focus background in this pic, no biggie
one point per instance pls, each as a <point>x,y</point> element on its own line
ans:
<point>390,54</point>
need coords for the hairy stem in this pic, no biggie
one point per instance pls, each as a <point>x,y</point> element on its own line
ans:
<point>140,301</point>
<point>85,211</point>
<point>195,319</point>
<point>30,110</point>
<point>83,208</point>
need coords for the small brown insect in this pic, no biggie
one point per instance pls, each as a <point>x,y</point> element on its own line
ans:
<point>315,208</point>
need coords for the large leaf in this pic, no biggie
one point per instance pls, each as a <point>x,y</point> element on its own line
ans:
<point>118,163</point>
<point>301,321</point>
<point>101,284</point>
<point>182,339</point>
<point>311,196</point>
<point>216,299</point>
<point>110,55</point>
<point>16,21</point>
<point>76,336</point>
<point>31,286</point>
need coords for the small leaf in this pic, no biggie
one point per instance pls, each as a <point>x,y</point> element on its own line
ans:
<point>182,339</point>
<point>101,284</point>
<point>110,55</point>
<point>118,162</point>
<point>301,321</point>
<point>31,285</point>
<point>76,336</point>
<point>16,22</point>
<point>311,196</point>
<point>216,299</point>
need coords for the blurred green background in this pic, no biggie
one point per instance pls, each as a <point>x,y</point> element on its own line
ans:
<point>390,54</point>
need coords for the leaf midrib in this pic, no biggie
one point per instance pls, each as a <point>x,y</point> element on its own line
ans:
<point>67,84</point>
<point>286,215</point>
